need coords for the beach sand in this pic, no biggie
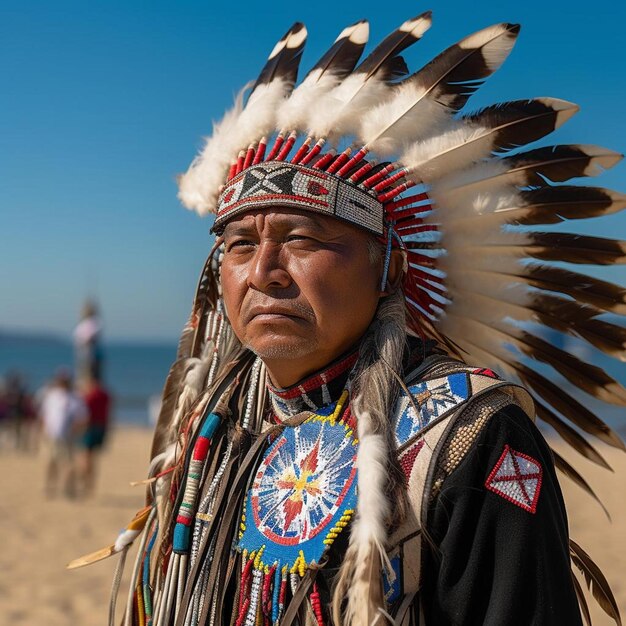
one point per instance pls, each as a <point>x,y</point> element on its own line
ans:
<point>39,535</point>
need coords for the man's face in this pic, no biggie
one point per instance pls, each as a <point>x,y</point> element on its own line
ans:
<point>299,289</point>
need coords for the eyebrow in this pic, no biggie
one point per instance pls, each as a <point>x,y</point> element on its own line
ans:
<point>281,221</point>
<point>234,228</point>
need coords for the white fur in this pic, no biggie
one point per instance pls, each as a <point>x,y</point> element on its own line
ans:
<point>368,530</point>
<point>199,186</point>
<point>294,112</point>
<point>339,111</point>
<point>373,505</point>
<point>125,538</point>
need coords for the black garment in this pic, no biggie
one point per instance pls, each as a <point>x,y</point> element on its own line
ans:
<point>494,563</point>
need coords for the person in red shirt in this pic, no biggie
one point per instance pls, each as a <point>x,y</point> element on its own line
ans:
<point>98,402</point>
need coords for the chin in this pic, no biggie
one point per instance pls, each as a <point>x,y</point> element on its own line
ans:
<point>278,350</point>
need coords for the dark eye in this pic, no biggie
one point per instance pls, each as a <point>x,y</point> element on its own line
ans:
<point>239,243</point>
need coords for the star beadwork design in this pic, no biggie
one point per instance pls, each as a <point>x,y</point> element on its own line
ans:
<point>301,481</point>
<point>304,478</point>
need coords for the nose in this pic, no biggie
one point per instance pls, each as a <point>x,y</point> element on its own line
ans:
<point>267,270</point>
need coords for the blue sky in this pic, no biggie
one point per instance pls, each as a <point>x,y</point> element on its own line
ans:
<point>104,103</point>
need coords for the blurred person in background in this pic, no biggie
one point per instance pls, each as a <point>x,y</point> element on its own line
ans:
<point>87,343</point>
<point>18,412</point>
<point>98,403</point>
<point>4,410</point>
<point>63,415</point>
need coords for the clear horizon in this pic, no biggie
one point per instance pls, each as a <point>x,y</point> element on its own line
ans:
<point>106,102</point>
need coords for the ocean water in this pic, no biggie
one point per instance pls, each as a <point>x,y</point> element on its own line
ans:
<point>134,373</point>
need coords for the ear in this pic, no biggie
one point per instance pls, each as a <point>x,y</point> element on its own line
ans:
<point>397,269</point>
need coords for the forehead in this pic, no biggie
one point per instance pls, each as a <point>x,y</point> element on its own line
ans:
<point>281,218</point>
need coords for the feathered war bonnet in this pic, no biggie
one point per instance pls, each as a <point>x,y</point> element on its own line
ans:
<point>395,153</point>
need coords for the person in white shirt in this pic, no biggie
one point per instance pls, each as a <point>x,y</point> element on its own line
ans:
<point>62,414</point>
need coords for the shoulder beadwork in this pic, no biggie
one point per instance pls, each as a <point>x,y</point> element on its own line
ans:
<point>434,397</point>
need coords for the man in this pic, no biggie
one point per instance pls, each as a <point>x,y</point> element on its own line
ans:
<point>320,458</point>
<point>63,415</point>
<point>98,402</point>
<point>88,343</point>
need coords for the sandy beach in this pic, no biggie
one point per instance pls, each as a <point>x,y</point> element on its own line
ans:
<point>41,535</point>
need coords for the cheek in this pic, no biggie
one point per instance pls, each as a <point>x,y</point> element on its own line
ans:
<point>233,289</point>
<point>343,293</point>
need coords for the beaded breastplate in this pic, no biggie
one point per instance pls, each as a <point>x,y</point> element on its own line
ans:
<point>303,492</point>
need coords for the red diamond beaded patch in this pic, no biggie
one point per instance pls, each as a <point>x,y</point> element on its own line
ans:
<point>517,478</point>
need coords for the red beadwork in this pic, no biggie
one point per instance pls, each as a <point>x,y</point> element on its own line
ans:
<point>518,487</point>
<point>407,461</point>
<point>267,594</point>
<point>283,593</point>
<point>316,604</point>
<point>316,381</point>
<point>244,592</point>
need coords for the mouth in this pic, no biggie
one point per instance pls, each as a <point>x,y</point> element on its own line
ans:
<point>277,313</point>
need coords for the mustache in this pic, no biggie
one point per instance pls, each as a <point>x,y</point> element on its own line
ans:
<point>285,306</point>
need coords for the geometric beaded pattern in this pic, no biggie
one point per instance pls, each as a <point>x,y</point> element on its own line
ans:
<point>302,495</point>
<point>407,458</point>
<point>276,183</point>
<point>184,517</point>
<point>517,478</point>
<point>466,429</point>
<point>434,399</point>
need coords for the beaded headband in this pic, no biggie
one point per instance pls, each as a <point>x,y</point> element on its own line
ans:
<point>279,184</point>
